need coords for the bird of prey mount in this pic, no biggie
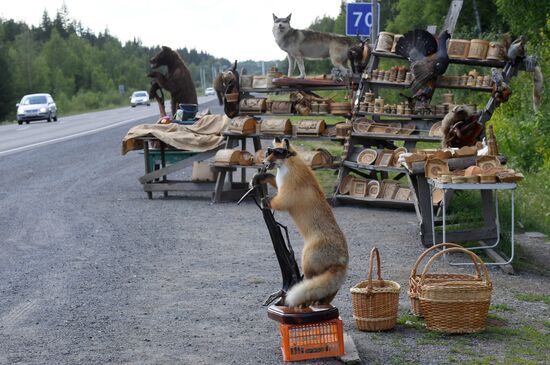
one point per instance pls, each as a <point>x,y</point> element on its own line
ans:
<point>429,60</point>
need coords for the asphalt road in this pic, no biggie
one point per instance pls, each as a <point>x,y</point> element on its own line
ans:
<point>93,272</point>
<point>15,138</point>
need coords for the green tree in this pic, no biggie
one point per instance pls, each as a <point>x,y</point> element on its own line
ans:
<point>25,52</point>
<point>6,91</point>
<point>413,14</point>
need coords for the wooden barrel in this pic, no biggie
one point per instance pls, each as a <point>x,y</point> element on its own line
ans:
<point>385,42</point>
<point>458,48</point>
<point>478,49</point>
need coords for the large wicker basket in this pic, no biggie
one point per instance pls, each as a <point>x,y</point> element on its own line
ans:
<point>414,279</point>
<point>456,306</point>
<point>375,302</point>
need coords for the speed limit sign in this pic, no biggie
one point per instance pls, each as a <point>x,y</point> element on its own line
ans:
<point>359,19</point>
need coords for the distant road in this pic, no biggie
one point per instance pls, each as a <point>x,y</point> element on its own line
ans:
<point>16,138</point>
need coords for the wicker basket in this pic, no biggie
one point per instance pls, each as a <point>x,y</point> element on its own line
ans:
<point>414,279</point>
<point>456,306</point>
<point>375,301</point>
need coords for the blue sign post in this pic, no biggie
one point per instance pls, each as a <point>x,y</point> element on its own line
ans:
<point>359,19</point>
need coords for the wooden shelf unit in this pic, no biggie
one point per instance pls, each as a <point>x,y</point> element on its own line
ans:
<point>422,122</point>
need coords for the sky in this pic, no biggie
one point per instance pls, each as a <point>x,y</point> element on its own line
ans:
<point>236,30</point>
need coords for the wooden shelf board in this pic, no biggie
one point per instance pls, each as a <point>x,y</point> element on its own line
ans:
<point>289,136</point>
<point>390,203</point>
<point>275,115</point>
<point>458,61</point>
<point>356,165</point>
<point>410,116</point>
<point>404,86</point>
<point>283,89</point>
<point>397,137</point>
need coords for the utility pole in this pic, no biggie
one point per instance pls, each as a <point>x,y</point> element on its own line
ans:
<point>452,16</point>
<point>374,29</point>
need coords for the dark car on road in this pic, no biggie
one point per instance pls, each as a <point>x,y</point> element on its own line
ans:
<point>36,107</point>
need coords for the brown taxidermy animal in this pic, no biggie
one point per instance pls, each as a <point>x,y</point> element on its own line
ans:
<point>177,80</point>
<point>325,253</point>
<point>155,92</point>
<point>460,127</point>
<point>500,91</point>
<point>225,82</point>
<point>358,56</point>
<point>218,87</point>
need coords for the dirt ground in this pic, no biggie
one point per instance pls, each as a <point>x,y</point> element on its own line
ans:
<point>102,275</point>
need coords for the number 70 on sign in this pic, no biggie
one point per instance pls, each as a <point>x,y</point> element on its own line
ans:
<point>359,19</point>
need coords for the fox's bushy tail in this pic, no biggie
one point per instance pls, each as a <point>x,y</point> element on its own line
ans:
<point>316,288</point>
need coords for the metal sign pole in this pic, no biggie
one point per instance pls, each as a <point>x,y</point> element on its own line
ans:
<point>374,30</point>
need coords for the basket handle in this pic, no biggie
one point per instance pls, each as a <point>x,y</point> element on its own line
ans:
<point>475,259</point>
<point>425,253</point>
<point>372,253</point>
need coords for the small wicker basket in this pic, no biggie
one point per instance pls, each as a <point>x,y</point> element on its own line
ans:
<point>456,306</point>
<point>375,302</point>
<point>414,279</point>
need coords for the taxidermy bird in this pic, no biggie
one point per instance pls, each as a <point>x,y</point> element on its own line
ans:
<point>460,127</point>
<point>501,91</point>
<point>516,51</point>
<point>429,60</point>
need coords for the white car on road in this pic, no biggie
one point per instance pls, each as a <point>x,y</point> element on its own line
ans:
<point>36,107</point>
<point>140,98</point>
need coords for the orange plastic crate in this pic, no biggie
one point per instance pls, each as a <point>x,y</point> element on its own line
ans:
<point>312,340</point>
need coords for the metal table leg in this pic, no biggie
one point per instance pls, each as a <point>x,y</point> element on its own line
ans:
<point>512,240</point>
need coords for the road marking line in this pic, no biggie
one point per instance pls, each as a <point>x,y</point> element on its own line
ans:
<point>18,312</point>
<point>64,138</point>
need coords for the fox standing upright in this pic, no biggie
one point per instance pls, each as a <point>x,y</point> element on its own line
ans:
<point>310,45</point>
<point>325,253</point>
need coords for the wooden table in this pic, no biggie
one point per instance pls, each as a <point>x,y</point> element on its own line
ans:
<point>156,179</point>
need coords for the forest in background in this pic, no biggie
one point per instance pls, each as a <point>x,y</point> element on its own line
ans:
<point>82,70</point>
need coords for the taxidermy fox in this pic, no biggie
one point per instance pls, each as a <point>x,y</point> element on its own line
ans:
<point>325,253</point>
<point>310,45</point>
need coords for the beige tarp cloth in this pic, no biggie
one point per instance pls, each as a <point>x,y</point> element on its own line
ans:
<point>202,136</point>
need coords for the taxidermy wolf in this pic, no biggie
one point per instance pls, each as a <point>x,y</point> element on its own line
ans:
<point>310,45</point>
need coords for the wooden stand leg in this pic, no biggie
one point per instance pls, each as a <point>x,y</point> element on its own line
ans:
<point>147,158</point>
<point>163,163</point>
<point>257,143</point>
<point>424,205</point>
<point>217,196</point>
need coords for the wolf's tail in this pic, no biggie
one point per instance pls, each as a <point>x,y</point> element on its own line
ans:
<point>316,288</point>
